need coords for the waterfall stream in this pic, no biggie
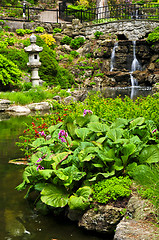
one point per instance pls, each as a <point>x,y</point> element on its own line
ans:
<point>134,66</point>
<point>112,60</point>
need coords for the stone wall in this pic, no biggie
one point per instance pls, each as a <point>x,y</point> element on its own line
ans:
<point>125,30</point>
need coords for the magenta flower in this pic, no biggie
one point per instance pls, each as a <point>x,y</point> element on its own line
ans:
<point>42,134</point>
<point>39,160</point>
<point>63,135</point>
<point>87,111</point>
<point>155,130</point>
<point>40,167</point>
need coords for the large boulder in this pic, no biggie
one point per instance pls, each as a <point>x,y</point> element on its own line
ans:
<point>4,104</point>
<point>42,106</point>
<point>18,110</point>
<point>103,219</point>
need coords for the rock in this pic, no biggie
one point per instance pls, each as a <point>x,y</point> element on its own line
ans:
<point>4,104</point>
<point>104,220</point>
<point>135,224</point>
<point>57,98</point>
<point>69,100</point>
<point>129,229</point>
<point>42,106</point>
<point>18,110</point>
<point>80,95</point>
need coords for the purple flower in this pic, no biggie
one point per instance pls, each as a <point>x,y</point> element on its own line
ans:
<point>39,160</point>
<point>40,167</point>
<point>42,133</point>
<point>155,130</point>
<point>87,111</point>
<point>62,133</point>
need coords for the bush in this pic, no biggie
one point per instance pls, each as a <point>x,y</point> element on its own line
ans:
<point>57,30</point>
<point>154,36</point>
<point>97,34</point>
<point>49,40</point>
<point>66,40</point>
<point>111,189</point>
<point>18,57</point>
<point>39,29</point>
<point>77,42</point>
<point>9,73</point>
<point>20,32</point>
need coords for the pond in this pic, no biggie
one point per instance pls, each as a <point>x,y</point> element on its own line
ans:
<point>19,220</point>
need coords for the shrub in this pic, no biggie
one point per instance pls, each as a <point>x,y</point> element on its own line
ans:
<point>20,32</point>
<point>57,30</point>
<point>9,73</point>
<point>48,69</point>
<point>19,57</point>
<point>111,189</point>
<point>49,40</point>
<point>77,42</point>
<point>74,54</point>
<point>154,36</point>
<point>97,34</point>
<point>39,29</point>
<point>66,40</point>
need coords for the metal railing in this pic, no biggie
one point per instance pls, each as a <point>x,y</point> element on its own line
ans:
<point>99,14</point>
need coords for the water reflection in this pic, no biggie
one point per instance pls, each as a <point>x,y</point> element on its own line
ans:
<point>132,92</point>
<point>19,220</point>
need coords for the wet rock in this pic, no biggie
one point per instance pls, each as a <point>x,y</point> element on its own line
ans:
<point>69,100</point>
<point>4,104</point>
<point>80,95</point>
<point>104,219</point>
<point>42,106</point>
<point>132,229</point>
<point>18,110</point>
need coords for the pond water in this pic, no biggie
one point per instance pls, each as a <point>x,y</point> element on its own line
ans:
<point>19,220</point>
<point>132,92</point>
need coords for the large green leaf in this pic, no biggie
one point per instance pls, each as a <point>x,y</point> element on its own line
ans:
<point>98,127</point>
<point>38,142</point>
<point>106,156</point>
<point>46,173</point>
<point>54,196</point>
<point>119,123</point>
<point>82,121</point>
<point>82,133</point>
<point>149,154</point>
<point>128,149</point>
<point>115,134</point>
<point>80,201</point>
<point>71,129</point>
<point>59,157</point>
<point>137,122</point>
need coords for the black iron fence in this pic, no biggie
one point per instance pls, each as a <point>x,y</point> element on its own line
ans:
<point>99,14</point>
<point>111,12</point>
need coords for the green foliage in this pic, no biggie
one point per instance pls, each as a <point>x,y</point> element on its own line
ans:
<point>154,36</point>
<point>18,56</point>
<point>97,34</point>
<point>39,29</point>
<point>84,150</point>
<point>111,189</point>
<point>74,54</point>
<point>148,177</point>
<point>57,30</point>
<point>20,32</point>
<point>10,75</point>
<point>77,42</point>
<point>66,40</point>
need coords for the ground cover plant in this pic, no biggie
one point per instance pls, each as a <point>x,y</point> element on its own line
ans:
<point>86,150</point>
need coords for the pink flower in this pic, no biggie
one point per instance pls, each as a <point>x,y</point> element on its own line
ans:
<point>40,167</point>
<point>87,111</point>
<point>62,133</point>
<point>155,130</point>
<point>42,133</point>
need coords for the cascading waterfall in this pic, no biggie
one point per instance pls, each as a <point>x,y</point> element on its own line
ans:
<point>135,66</point>
<point>112,60</point>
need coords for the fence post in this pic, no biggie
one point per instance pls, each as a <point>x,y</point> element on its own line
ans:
<point>81,15</point>
<point>28,14</point>
<point>57,14</point>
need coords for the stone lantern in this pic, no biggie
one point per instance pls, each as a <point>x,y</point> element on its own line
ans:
<point>34,58</point>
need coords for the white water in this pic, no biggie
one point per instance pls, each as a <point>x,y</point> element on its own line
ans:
<point>134,66</point>
<point>112,60</point>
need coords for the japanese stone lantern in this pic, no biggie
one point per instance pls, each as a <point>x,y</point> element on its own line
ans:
<point>34,58</point>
